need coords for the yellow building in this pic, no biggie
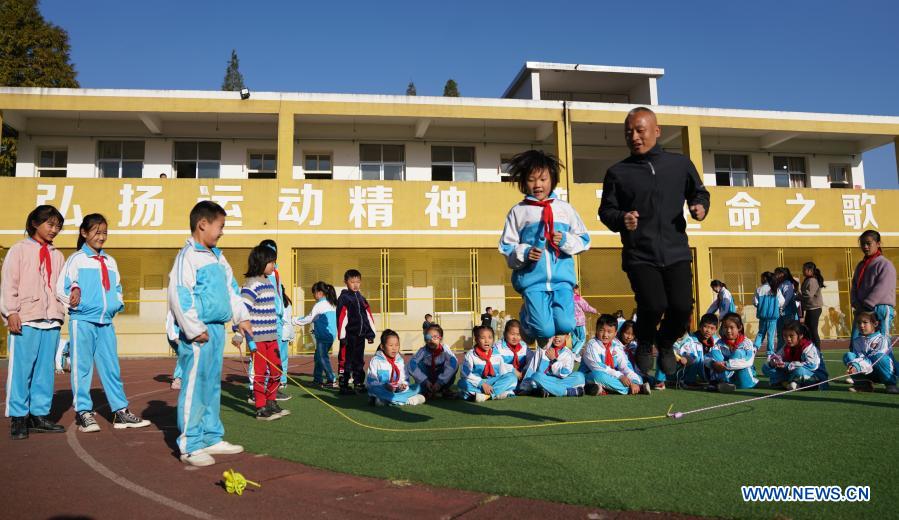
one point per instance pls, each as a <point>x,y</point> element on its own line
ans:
<point>408,189</point>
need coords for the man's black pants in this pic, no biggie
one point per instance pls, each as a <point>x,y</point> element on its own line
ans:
<point>663,294</point>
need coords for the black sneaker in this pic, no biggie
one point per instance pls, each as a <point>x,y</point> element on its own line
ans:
<point>18,428</point>
<point>264,414</point>
<point>726,388</point>
<point>125,419</point>
<point>345,390</point>
<point>276,410</point>
<point>40,424</point>
<point>86,422</point>
<point>281,396</point>
<point>591,389</point>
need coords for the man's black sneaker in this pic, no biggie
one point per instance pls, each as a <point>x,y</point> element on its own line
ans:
<point>40,424</point>
<point>18,428</point>
<point>125,419</point>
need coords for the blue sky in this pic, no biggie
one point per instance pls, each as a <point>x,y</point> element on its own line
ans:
<point>805,56</point>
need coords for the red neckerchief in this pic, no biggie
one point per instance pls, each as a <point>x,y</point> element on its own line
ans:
<point>795,353</point>
<point>609,358</point>
<point>103,270</point>
<point>547,219</point>
<point>515,349</point>
<point>485,355</point>
<point>735,343</point>
<point>861,272</point>
<point>707,344</point>
<point>435,353</point>
<point>44,256</point>
<point>393,369</point>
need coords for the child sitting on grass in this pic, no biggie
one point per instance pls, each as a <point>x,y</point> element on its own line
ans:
<point>514,353</point>
<point>798,363</point>
<point>434,365</point>
<point>692,350</point>
<point>386,379</point>
<point>484,374</point>
<point>869,358</point>
<point>551,371</point>
<point>731,359</point>
<point>605,365</point>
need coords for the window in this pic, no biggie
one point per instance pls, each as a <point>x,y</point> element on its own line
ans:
<point>121,159</point>
<point>790,172</point>
<point>731,170</point>
<point>839,175</point>
<point>382,161</point>
<point>453,163</point>
<point>504,161</point>
<point>318,166</point>
<point>262,165</point>
<point>52,163</point>
<point>197,159</point>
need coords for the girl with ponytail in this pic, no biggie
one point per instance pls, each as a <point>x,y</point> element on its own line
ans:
<point>324,321</point>
<point>812,302</point>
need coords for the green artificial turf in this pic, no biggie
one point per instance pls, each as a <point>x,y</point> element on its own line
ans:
<point>693,465</point>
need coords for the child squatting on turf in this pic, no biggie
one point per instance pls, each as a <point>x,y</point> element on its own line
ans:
<point>604,363</point>
<point>203,296</point>
<point>513,352</point>
<point>434,365</point>
<point>870,358</point>
<point>259,296</point>
<point>798,364</point>
<point>484,373</point>
<point>731,359</point>
<point>91,288</point>
<point>551,371</point>
<point>386,381</point>
<point>33,316</point>
<point>540,236</point>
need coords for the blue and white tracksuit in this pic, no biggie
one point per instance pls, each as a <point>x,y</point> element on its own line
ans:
<point>284,336</point>
<point>768,308</point>
<point>557,376</point>
<point>440,369</point>
<point>690,347</point>
<point>503,381</point>
<point>789,312</point>
<point>739,359</point>
<point>524,357</point>
<point>596,371</point>
<point>723,304</point>
<point>91,332</point>
<point>203,296</point>
<point>885,315</point>
<point>809,369</point>
<point>323,318</point>
<point>547,285</point>
<point>172,332</point>
<point>872,357</point>
<point>378,380</point>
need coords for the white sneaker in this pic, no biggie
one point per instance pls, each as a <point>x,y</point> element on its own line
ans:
<point>176,384</point>
<point>223,448</point>
<point>415,400</point>
<point>504,395</point>
<point>198,458</point>
<point>646,389</point>
<point>849,381</point>
<point>480,398</point>
<point>793,385</point>
<point>86,422</point>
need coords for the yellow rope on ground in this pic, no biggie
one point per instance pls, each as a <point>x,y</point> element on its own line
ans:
<point>461,428</point>
<point>235,483</point>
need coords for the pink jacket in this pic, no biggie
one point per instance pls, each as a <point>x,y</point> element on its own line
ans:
<point>580,308</point>
<point>23,283</point>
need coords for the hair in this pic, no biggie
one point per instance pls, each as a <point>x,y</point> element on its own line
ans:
<point>270,244</point>
<point>429,314</point>
<point>800,329</point>
<point>628,324</point>
<point>867,314</point>
<point>435,326</point>
<point>525,163</point>
<point>786,276</point>
<point>734,318</point>
<point>606,319</point>
<point>351,273</point>
<point>577,286</point>
<point>817,272</point>
<point>870,233</point>
<point>90,222</point>
<point>708,319</point>
<point>510,324</point>
<point>386,334</point>
<point>619,313</point>
<point>259,257</point>
<point>284,298</point>
<point>327,289</point>
<point>769,278</point>
<point>39,215</point>
<point>488,309</point>
<point>205,210</point>
<point>476,331</point>
<point>718,283</point>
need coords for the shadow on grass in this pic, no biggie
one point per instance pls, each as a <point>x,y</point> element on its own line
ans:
<point>822,396</point>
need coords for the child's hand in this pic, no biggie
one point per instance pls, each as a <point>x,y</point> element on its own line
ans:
<point>535,253</point>
<point>486,388</point>
<point>14,323</point>
<point>202,338</point>
<point>551,353</point>
<point>371,341</point>
<point>74,297</point>
<point>719,366</point>
<point>682,360</point>
<point>630,220</point>
<point>245,328</point>
<point>635,388</point>
<point>518,374</point>
<point>624,380</point>
<point>557,238</point>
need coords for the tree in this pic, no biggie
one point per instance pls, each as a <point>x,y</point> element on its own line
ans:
<point>233,78</point>
<point>451,89</point>
<point>410,89</point>
<point>33,53</point>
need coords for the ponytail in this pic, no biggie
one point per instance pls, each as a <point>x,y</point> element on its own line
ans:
<point>327,289</point>
<point>771,280</point>
<point>90,222</point>
<point>284,298</point>
<point>817,272</point>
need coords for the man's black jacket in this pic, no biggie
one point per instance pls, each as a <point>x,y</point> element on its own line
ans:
<point>656,186</point>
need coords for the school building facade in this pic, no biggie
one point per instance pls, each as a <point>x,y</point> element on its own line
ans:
<point>408,189</point>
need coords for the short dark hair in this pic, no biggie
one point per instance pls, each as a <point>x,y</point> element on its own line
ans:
<point>436,327</point>
<point>39,215</point>
<point>259,257</point>
<point>525,163</point>
<point>870,233</point>
<point>429,315</point>
<point>606,319</point>
<point>476,331</point>
<point>351,273</point>
<point>205,210</point>
<point>708,319</point>
<point>488,309</point>
<point>867,314</point>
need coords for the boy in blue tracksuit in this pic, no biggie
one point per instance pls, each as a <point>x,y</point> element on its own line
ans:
<point>605,365</point>
<point>541,235</point>
<point>203,296</point>
<point>769,303</point>
<point>692,351</point>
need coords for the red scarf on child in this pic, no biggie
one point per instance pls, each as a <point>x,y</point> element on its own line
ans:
<point>45,262</point>
<point>735,343</point>
<point>485,355</point>
<point>861,272</point>
<point>515,350</point>
<point>557,350</point>
<point>707,344</point>
<point>795,353</point>
<point>103,270</point>
<point>435,353</point>
<point>609,359</point>
<point>547,220</point>
<point>394,370</point>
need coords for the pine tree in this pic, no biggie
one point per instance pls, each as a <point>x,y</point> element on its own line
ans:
<point>451,89</point>
<point>233,78</point>
<point>33,53</point>
<point>410,89</point>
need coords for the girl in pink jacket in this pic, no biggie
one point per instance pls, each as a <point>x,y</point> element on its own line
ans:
<point>581,307</point>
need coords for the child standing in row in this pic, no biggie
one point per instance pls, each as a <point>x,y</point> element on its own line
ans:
<point>513,352</point>
<point>91,289</point>
<point>874,284</point>
<point>386,381</point>
<point>484,374</point>
<point>788,287</point>
<point>551,371</point>
<point>732,357</point>
<point>581,308</point>
<point>324,322</point>
<point>769,303</point>
<point>605,365</point>
<point>540,237</point>
<point>434,365</point>
<point>799,363</point>
<point>355,326</point>
<point>33,316</point>
<point>870,358</point>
